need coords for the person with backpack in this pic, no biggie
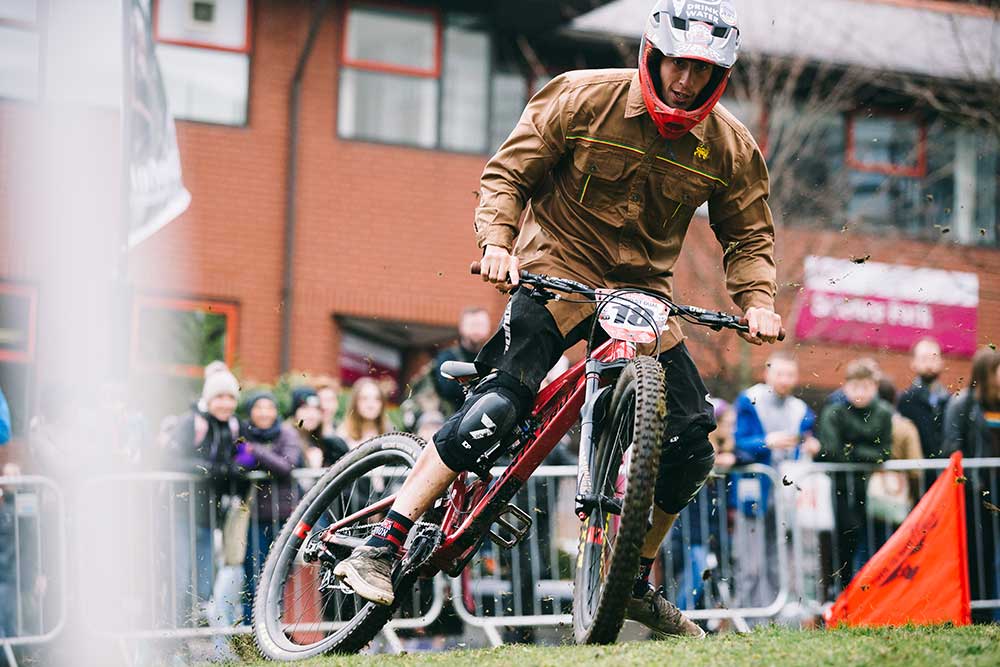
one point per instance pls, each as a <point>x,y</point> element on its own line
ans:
<point>203,442</point>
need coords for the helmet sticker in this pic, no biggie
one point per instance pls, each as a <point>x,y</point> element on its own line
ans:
<point>679,6</point>
<point>704,10</point>
<point>727,13</point>
<point>699,33</point>
<point>698,51</point>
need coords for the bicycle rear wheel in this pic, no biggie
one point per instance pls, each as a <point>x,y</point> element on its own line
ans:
<point>300,610</point>
<point>623,469</point>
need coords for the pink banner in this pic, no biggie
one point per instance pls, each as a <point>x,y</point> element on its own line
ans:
<point>887,305</point>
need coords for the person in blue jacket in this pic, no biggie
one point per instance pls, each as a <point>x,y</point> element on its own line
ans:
<point>772,427</point>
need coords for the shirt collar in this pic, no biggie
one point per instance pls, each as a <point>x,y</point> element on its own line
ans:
<point>636,106</point>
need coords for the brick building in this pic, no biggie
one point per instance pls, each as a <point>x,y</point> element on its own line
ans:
<point>391,110</point>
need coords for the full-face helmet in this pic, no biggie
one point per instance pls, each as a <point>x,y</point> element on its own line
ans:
<point>703,30</point>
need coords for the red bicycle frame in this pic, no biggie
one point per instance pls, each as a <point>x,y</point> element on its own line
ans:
<point>471,509</point>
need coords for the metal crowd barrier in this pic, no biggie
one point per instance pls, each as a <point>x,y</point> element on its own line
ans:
<point>33,582</point>
<point>757,543</point>
<point>176,579</point>
<point>699,565</point>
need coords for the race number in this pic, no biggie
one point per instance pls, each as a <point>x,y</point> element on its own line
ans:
<point>631,316</point>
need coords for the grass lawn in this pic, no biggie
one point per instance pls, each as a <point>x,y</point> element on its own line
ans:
<point>939,646</point>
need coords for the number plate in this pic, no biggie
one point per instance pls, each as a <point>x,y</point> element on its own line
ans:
<point>632,316</point>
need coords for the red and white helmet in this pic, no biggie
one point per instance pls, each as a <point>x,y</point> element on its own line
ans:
<point>698,29</point>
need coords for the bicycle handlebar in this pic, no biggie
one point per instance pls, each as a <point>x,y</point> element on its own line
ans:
<point>709,318</point>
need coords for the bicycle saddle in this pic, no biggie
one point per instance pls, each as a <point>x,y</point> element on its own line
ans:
<point>462,371</point>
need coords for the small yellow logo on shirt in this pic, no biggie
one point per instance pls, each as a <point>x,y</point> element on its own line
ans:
<point>701,152</point>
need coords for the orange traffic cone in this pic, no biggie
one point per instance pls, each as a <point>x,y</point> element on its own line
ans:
<point>921,575</point>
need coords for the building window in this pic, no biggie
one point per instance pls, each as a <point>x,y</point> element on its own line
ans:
<point>389,80</point>
<point>180,336</point>
<point>465,100</point>
<point>417,77</point>
<point>932,180</point>
<point>510,92</point>
<point>954,198</point>
<point>20,49</point>
<point>203,47</point>
<point>895,145</point>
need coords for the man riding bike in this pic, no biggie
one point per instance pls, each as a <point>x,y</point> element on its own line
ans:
<point>607,168</point>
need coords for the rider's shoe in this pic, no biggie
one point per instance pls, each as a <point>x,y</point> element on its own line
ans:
<point>368,570</point>
<point>660,615</point>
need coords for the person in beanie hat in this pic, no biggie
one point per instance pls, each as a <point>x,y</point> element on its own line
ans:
<point>220,383</point>
<point>204,441</point>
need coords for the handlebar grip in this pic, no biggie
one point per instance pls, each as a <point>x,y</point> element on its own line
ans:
<point>476,269</point>
<point>781,333</point>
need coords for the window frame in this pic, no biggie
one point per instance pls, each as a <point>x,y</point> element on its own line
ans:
<point>374,65</point>
<point>39,28</point>
<point>851,160</point>
<point>342,61</point>
<point>230,309</point>
<point>31,292</point>
<point>245,49</point>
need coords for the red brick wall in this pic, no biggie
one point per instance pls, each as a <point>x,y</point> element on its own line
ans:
<point>386,231</point>
<point>383,231</point>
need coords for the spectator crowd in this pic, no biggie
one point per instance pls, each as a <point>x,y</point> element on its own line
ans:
<point>246,443</point>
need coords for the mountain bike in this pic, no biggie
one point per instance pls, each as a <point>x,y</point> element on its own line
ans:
<point>617,394</point>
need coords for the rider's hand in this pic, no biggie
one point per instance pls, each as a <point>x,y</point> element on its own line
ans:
<point>499,266</point>
<point>764,324</point>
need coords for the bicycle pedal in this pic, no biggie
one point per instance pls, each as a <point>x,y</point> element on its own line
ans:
<point>426,538</point>
<point>329,582</point>
<point>517,532</point>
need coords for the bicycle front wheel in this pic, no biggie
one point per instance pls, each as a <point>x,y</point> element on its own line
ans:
<point>300,610</point>
<point>623,472</point>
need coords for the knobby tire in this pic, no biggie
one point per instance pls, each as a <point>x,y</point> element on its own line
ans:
<point>370,618</point>
<point>640,384</point>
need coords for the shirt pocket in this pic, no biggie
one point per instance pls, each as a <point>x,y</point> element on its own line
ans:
<point>601,177</point>
<point>681,193</point>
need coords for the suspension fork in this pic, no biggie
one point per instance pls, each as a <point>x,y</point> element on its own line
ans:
<point>591,415</point>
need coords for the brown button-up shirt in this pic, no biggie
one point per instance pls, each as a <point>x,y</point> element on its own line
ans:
<point>608,200</point>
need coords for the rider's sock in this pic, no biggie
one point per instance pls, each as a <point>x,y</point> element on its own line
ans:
<point>642,581</point>
<point>391,532</point>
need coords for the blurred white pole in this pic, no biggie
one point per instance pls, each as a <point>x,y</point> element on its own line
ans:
<point>71,228</point>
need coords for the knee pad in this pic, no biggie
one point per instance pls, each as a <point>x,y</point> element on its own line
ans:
<point>484,422</point>
<point>683,471</point>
